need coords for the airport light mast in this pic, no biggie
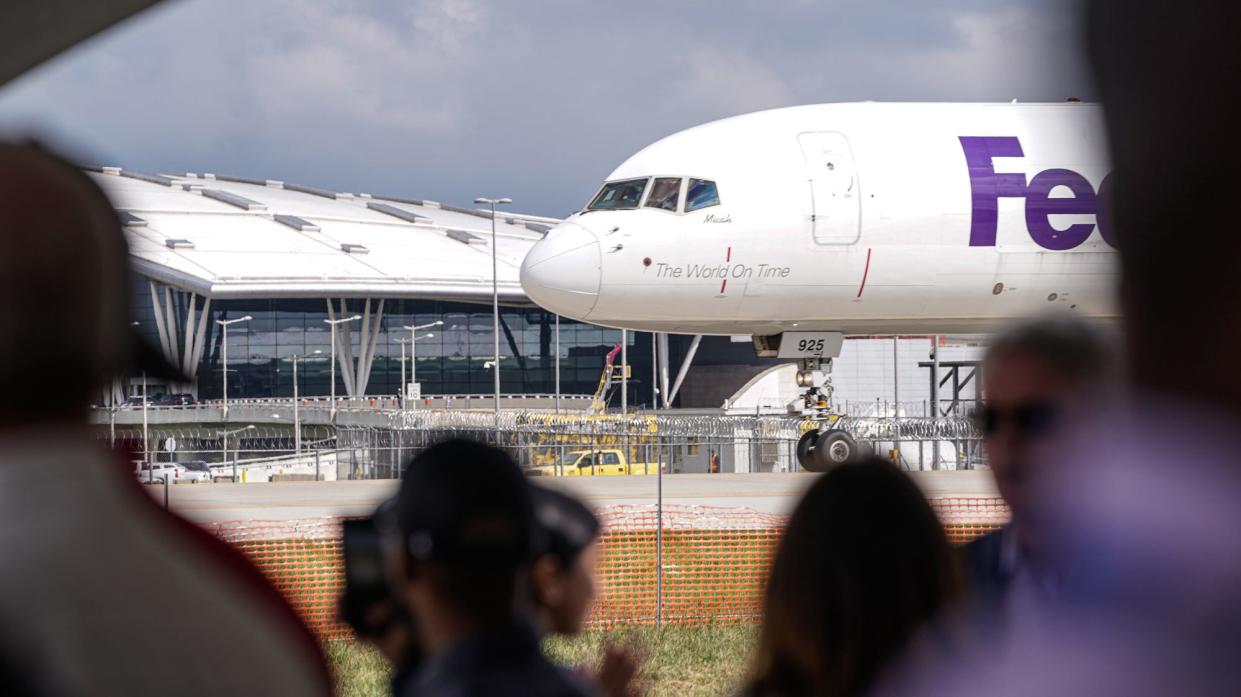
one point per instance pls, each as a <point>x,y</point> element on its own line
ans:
<point>333,323</point>
<point>297,414</point>
<point>402,342</point>
<point>413,353</point>
<point>495,301</point>
<point>224,323</point>
<point>224,436</point>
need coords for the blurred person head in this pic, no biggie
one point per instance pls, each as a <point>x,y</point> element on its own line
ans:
<point>563,576</point>
<point>1036,372</point>
<point>464,527</point>
<point>1170,197</point>
<point>64,287</point>
<point>862,566</point>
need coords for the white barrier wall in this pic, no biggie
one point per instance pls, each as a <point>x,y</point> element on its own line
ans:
<point>864,373</point>
<point>250,471</point>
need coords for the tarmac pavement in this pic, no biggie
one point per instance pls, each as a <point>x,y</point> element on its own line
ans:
<point>764,492</point>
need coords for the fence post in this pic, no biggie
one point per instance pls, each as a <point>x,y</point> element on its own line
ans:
<point>165,491</point>
<point>659,544</point>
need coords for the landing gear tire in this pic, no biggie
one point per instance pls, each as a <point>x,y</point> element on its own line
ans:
<point>833,448</point>
<point>805,449</point>
<point>821,451</point>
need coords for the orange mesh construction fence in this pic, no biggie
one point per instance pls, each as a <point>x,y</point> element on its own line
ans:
<point>303,560</point>
<point>967,518</point>
<point>715,560</point>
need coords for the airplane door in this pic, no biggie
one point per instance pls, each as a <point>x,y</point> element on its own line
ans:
<point>835,203</point>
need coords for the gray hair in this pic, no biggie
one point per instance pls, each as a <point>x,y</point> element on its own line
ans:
<point>1069,344</point>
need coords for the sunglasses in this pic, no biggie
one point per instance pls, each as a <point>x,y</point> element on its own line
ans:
<point>1028,420</point>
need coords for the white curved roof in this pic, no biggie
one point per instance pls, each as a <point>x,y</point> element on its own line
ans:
<point>226,237</point>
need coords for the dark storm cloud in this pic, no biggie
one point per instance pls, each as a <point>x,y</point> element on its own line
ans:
<point>448,99</point>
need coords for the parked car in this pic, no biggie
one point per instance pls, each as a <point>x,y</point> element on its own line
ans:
<point>137,402</point>
<point>156,473</point>
<point>594,463</point>
<point>176,399</point>
<point>195,471</point>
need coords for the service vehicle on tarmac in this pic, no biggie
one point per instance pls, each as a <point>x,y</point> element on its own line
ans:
<point>594,463</point>
<point>156,473</point>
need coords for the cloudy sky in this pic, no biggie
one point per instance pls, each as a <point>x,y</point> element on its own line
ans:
<point>537,100</point>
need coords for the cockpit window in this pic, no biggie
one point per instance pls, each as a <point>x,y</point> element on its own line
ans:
<point>702,193</point>
<point>619,195</point>
<point>665,194</point>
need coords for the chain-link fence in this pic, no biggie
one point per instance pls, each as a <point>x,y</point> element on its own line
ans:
<point>540,440</point>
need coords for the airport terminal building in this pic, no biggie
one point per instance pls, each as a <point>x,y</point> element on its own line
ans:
<point>292,258</point>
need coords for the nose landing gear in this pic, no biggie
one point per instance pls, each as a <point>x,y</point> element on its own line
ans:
<point>822,448</point>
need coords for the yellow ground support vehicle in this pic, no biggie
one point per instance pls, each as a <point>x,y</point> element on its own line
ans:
<point>594,463</point>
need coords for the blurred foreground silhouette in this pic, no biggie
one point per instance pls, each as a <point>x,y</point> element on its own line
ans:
<point>103,592</point>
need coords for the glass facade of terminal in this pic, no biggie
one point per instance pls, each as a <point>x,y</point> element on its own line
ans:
<point>453,361</point>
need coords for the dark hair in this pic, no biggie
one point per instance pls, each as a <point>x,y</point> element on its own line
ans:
<point>1065,342</point>
<point>64,286</point>
<point>464,513</point>
<point>863,564</point>
<point>1178,290</point>
<point>568,526</point>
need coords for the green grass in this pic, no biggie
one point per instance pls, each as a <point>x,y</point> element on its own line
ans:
<point>702,661</point>
<point>359,669</point>
<point>679,661</point>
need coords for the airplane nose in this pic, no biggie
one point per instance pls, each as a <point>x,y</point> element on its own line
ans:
<point>561,272</point>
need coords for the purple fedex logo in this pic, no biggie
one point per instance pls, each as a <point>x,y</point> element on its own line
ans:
<point>988,187</point>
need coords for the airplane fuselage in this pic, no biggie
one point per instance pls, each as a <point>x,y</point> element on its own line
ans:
<point>857,218</point>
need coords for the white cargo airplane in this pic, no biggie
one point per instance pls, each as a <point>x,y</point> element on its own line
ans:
<point>802,225</point>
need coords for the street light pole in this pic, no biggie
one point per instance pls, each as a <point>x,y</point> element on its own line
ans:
<point>654,370</point>
<point>146,435</point>
<point>413,352</point>
<point>297,417</point>
<point>224,323</point>
<point>557,363</point>
<point>624,373</point>
<point>224,447</point>
<point>495,301</point>
<point>297,404</point>
<point>404,396</point>
<point>333,323</point>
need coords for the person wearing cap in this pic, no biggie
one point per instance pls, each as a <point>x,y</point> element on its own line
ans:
<point>103,592</point>
<point>460,558</point>
<point>564,583</point>
<point>563,575</point>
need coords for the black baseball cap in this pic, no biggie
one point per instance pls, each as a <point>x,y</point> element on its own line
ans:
<point>568,525</point>
<point>465,503</point>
